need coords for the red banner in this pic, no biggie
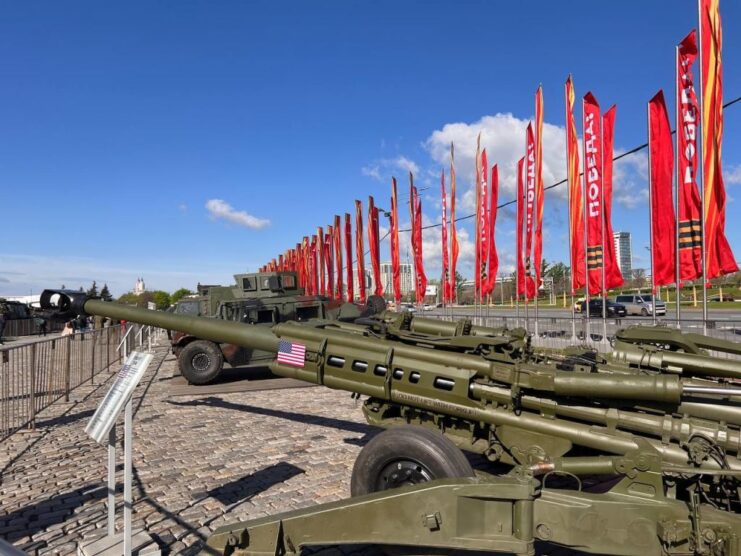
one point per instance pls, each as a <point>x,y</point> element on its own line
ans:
<point>539,190</point>
<point>395,263</point>
<point>576,206</point>
<point>477,237</point>
<point>593,190</point>
<point>719,258</point>
<point>374,246</point>
<point>320,252</point>
<point>613,276</point>
<point>415,210</point>
<point>338,254</point>
<point>483,216</point>
<point>688,111</point>
<point>529,209</point>
<point>453,233</point>
<point>360,249</point>
<point>444,242</point>
<point>493,258</point>
<point>661,158</point>
<point>348,253</point>
<point>313,267</point>
<point>518,231</point>
<point>329,259</point>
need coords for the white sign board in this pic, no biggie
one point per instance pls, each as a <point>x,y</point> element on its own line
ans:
<point>431,290</point>
<point>151,305</point>
<point>128,377</point>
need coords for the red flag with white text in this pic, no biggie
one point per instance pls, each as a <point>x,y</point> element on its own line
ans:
<point>493,263</point>
<point>690,208</point>
<point>594,202</point>
<point>444,242</point>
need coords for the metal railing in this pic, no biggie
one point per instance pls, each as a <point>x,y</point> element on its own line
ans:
<point>559,332</point>
<point>35,375</point>
<point>28,327</point>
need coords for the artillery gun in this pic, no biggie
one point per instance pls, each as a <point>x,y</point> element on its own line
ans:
<point>263,299</point>
<point>660,414</point>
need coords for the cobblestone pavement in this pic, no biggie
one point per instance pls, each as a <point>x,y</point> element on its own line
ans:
<point>199,462</point>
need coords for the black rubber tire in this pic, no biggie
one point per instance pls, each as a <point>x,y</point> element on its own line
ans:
<point>200,362</point>
<point>644,312</point>
<point>417,453</point>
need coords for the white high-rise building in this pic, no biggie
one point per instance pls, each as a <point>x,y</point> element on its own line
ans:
<point>623,253</point>
<point>387,278</point>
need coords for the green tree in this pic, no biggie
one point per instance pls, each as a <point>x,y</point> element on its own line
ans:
<point>161,299</point>
<point>177,295</point>
<point>105,293</point>
<point>93,291</point>
<point>459,279</point>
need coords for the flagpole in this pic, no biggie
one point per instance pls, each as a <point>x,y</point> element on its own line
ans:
<point>651,217</point>
<point>586,236</point>
<point>700,93</point>
<point>678,177</point>
<point>602,233</point>
<point>569,178</point>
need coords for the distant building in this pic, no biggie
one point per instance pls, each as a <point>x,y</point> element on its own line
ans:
<point>139,288</point>
<point>368,283</point>
<point>623,253</point>
<point>387,278</point>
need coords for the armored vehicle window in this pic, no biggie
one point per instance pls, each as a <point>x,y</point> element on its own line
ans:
<point>305,313</point>
<point>249,284</point>
<point>187,308</point>
<point>288,282</point>
<point>265,315</point>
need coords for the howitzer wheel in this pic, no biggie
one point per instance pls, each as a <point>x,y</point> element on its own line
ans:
<point>404,456</point>
<point>200,362</point>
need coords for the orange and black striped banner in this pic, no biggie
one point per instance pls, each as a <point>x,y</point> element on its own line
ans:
<point>719,258</point>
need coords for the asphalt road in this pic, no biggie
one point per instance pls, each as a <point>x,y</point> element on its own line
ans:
<point>551,312</point>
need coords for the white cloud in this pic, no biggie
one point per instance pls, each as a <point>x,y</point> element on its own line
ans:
<point>503,136</point>
<point>219,209</point>
<point>630,180</point>
<point>372,171</point>
<point>732,175</point>
<point>183,208</point>
<point>382,169</point>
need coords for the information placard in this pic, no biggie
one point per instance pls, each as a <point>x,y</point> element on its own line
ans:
<point>128,377</point>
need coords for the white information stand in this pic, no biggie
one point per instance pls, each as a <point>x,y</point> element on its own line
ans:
<point>101,426</point>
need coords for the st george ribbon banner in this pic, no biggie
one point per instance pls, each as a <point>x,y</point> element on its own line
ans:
<point>128,377</point>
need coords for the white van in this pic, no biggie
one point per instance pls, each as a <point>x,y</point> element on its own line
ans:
<point>641,304</point>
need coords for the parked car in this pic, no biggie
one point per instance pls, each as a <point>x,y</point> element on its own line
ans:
<point>726,297</point>
<point>641,304</point>
<point>614,310</point>
<point>408,307</point>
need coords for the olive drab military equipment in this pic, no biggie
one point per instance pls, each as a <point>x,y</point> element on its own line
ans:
<point>661,414</point>
<point>262,299</point>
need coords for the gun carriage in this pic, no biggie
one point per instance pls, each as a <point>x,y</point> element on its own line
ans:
<point>660,414</point>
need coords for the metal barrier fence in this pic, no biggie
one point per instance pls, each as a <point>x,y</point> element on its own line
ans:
<point>559,332</point>
<point>28,327</point>
<point>35,375</point>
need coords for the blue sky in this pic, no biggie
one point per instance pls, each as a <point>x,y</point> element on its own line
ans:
<point>120,122</point>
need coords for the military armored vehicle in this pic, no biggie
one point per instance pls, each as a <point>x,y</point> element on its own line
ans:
<point>660,416</point>
<point>260,299</point>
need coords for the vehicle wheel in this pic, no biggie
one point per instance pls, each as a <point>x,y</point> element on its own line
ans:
<point>644,312</point>
<point>406,455</point>
<point>200,362</point>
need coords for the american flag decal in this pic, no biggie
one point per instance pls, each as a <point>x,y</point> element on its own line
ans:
<point>291,354</point>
